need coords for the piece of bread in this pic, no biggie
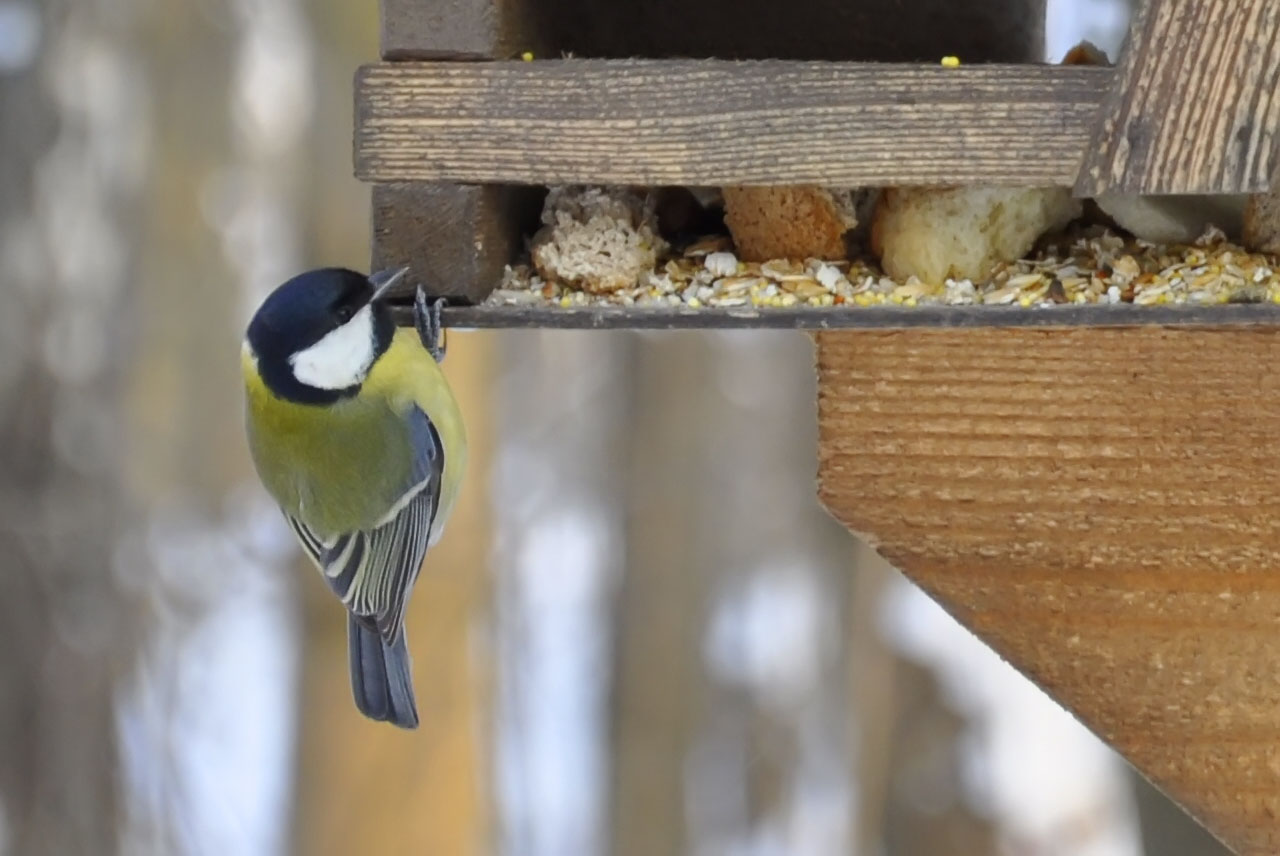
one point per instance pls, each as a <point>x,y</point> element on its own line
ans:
<point>963,232</point>
<point>1262,223</point>
<point>596,239</point>
<point>789,222</point>
<point>1086,53</point>
<point>1173,219</point>
<point>1161,219</point>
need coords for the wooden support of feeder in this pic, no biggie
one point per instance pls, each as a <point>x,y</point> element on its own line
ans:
<point>1193,107</point>
<point>1090,489</point>
<point>1101,507</point>
<point>719,122</point>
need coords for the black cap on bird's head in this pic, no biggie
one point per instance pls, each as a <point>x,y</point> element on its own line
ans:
<point>316,336</point>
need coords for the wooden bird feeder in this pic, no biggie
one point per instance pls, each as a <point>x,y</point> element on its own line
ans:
<point>1093,490</point>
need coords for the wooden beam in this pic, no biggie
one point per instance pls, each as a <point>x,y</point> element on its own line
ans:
<point>1103,508</point>
<point>708,122</point>
<point>881,317</point>
<point>455,239</point>
<point>1194,105</point>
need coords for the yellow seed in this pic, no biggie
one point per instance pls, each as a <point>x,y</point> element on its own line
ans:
<point>1024,302</point>
<point>951,62</point>
<point>566,302</point>
<point>910,301</point>
<point>527,56</point>
<point>694,302</point>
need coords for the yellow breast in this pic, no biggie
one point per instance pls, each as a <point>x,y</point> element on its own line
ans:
<point>341,467</point>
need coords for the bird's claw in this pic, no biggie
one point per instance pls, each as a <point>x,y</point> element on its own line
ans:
<point>426,318</point>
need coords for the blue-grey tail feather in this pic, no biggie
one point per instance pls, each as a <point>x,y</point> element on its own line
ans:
<point>380,676</point>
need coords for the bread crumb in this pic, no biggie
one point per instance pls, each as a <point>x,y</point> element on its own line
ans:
<point>721,264</point>
<point>1086,53</point>
<point>1262,223</point>
<point>828,275</point>
<point>964,232</point>
<point>1173,219</point>
<point>789,222</point>
<point>597,239</point>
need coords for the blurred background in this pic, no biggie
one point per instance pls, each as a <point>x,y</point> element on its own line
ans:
<point>641,634</point>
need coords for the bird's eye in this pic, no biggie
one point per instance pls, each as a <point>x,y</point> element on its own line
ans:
<point>344,314</point>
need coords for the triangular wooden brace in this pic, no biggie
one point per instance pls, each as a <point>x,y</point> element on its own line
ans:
<point>1100,506</point>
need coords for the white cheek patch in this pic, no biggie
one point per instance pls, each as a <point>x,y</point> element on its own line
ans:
<point>341,359</point>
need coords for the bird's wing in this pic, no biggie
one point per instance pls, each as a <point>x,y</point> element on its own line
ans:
<point>373,571</point>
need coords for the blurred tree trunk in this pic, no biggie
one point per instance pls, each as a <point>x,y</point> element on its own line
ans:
<point>910,792</point>
<point>563,404</point>
<point>659,691</point>
<point>873,697</point>
<point>729,680</point>
<point>366,787</point>
<point>65,619</point>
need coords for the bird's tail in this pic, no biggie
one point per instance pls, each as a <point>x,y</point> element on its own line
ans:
<point>380,676</point>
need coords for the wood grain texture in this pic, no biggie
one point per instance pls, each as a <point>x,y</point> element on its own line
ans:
<point>1103,508</point>
<point>1194,105</point>
<point>997,30</point>
<point>456,239</point>
<point>880,317</point>
<point>709,122</point>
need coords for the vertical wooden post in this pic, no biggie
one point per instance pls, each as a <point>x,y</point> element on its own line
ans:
<point>1192,108</point>
<point>455,238</point>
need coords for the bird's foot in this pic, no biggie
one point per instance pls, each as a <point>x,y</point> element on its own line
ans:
<point>426,318</point>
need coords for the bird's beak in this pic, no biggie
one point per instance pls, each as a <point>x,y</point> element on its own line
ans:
<point>384,280</point>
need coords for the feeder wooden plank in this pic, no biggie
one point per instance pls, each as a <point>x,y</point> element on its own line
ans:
<point>1194,106</point>
<point>878,317</point>
<point>712,122</point>
<point>455,238</point>
<point>1103,508</point>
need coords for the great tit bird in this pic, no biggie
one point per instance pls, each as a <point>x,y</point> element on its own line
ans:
<point>356,434</point>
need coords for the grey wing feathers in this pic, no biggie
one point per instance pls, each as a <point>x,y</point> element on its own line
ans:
<point>373,571</point>
<point>312,544</point>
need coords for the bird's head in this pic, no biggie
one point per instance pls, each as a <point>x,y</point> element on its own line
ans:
<point>315,337</point>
